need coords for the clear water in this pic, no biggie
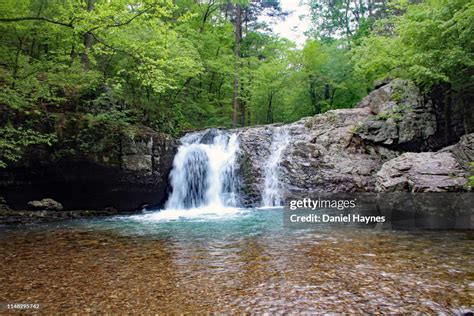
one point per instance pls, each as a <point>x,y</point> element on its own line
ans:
<point>237,260</point>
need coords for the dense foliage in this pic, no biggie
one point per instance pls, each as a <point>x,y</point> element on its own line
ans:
<point>432,42</point>
<point>187,64</point>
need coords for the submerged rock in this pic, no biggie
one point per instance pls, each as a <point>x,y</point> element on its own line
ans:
<point>9,217</point>
<point>209,136</point>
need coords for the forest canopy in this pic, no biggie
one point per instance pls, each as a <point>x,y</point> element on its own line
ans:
<point>188,64</point>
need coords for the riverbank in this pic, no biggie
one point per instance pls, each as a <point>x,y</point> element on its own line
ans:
<point>15,217</point>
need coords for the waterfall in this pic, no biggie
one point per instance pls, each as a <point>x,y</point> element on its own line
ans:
<point>271,195</point>
<point>204,171</point>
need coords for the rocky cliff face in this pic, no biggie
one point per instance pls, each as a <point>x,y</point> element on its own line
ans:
<point>362,149</point>
<point>122,171</point>
<point>401,118</point>
<point>325,154</point>
<point>377,147</point>
<point>404,119</point>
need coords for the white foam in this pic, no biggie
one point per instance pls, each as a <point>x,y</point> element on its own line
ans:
<point>200,214</point>
<point>204,175</point>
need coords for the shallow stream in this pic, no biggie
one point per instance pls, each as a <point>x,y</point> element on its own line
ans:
<point>234,261</point>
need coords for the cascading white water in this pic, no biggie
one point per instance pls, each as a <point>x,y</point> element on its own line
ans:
<point>271,195</point>
<point>204,172</point>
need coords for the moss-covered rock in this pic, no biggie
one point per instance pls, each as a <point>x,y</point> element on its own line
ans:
<point>93,165</point>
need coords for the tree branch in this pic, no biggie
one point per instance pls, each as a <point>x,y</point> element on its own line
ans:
<point>115,49</point>
<point>36,18</point>
<point>121,23</point>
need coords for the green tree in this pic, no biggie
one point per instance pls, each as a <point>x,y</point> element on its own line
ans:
<point>346,19</point>
<point>431,43</point>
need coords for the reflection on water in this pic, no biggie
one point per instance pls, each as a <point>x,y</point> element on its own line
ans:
<point>247,262</point>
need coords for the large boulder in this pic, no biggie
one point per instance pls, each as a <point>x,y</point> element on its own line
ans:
<point>430,189</point>
<point>406,119</point>
<point>444,171</point>
<point>402,117</point>
<point>381,100</point>
<point>463,150</point>
<point>422,172</point>
<point>45,205</point>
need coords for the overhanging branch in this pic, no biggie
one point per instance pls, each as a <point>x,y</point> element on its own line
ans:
<point>119,24</point>
<point>35,18</point>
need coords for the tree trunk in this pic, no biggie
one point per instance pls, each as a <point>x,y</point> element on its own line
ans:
<point>238,38</point>
<point>88,40</point>
<point>242,106</point>
<point>327,89</point>
<point>206,15</point>
<point>332,97</point>
<point>270,109</point>
<point>313,95</point>
<point>16,66</point>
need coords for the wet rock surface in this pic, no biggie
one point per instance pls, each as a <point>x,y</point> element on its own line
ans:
<point>208,137</point>
<point>255,146</point>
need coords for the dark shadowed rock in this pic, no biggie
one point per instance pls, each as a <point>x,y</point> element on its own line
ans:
<point>208,137</point>
<point>123,170</point>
